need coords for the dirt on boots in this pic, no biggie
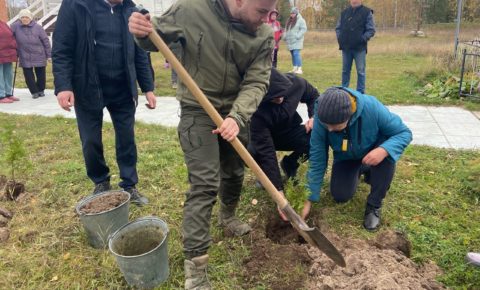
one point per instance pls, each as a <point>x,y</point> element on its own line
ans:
<point>196,274</point>
<point>230,222</point>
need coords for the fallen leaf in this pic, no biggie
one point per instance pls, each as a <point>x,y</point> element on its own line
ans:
<point>55,278</point>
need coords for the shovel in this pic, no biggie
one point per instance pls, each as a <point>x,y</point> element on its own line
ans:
<point>312,235</point>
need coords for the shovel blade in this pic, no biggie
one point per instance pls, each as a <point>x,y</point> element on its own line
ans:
<point>313,236</point>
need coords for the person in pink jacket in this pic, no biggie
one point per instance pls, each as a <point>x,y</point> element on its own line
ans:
<point>8,54</point>
<point>277,34</point>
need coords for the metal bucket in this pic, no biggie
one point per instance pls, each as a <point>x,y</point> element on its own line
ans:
<point>99,226</point>
<point>140,249</point>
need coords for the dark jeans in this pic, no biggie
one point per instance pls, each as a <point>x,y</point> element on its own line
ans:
<point>121,107</point>
<point>345,177</point>
<point>360,58</point>
<point>274,57</point>
<point>213,167</point>
<point>38,85</point>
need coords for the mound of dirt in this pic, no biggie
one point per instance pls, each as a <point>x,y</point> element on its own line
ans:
<point>280,260</point>
<point>104,203</point>
<point>378,264</point>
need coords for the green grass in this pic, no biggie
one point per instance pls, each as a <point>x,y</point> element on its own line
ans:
<point>431,200</point>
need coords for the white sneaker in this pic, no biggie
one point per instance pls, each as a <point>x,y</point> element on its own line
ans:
<point>299,70</point>
<point>294,69</point>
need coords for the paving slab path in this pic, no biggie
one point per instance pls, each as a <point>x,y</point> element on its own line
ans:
<point>443,127</point>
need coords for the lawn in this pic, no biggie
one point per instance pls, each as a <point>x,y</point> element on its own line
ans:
<point>434,199</point>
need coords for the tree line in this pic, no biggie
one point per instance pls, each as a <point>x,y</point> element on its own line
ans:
<point>409,14</point>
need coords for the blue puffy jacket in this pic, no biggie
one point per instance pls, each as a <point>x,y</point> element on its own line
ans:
<point>372,125</point>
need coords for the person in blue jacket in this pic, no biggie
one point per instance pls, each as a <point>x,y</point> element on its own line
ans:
<point>366,138</point>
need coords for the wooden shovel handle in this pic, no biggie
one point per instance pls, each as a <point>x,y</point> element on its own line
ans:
<point>217,119</point>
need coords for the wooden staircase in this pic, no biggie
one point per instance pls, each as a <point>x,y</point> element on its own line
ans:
<point>45,11</point>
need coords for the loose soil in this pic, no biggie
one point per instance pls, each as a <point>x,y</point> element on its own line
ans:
<point>137,242</point>
<point>279,261</point>
<point>104,203</point>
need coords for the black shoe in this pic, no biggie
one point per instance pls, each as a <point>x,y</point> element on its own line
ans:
<point>101,187</point>
<point>372,218</point>
<point>41,94</point>
<point>35,96</point>
<point>136,197</point>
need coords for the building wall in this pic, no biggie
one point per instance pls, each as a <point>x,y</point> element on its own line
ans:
<point>3,10</point>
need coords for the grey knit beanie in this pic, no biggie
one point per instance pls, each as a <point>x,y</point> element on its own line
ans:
<point>334,106</point>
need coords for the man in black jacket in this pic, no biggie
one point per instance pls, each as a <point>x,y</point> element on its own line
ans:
<point>96,64</point>
<point>276,126</point>
<point>354,29</point>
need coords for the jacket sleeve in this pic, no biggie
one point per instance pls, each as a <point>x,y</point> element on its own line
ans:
<point>262,149</point>
<point>142,68</point>
<point>167,26</point>
<point>302,29</point>
<point>254,85</point>
<point>369,27</point>
<point>309,97</point>
<point>398,134</point>
<point>338,27</point>
<point>45,42</point>
<point>318,160</point>
<point>63,49</point>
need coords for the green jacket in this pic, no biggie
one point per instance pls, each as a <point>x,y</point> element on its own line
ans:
<point>230,64</point>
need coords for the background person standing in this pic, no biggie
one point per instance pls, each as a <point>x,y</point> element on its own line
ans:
<point>33,50</point>
<point>8,54</point>
<point>277,34</point>
<point>354,29</point>
<point>296,28</point>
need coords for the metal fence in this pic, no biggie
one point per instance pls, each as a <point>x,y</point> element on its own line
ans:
<point>470,72</point>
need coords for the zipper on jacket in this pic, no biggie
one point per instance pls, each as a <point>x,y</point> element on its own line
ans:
<point>225,53</point>
<point>199,53</point>
<point>359,131</point>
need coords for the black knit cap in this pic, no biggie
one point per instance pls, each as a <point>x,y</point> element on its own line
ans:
<point>334,106</point>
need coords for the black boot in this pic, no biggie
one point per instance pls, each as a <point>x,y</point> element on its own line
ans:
<point>101,187</point>
<point>372,218</point>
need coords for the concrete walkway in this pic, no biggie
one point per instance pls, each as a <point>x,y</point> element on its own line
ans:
<point>443,127</point>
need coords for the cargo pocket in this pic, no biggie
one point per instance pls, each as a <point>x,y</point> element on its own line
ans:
<point>185,134</point>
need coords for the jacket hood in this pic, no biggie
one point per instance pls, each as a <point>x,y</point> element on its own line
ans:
<point>274,11</point>
<point>279,86</point>
<point>360,103</point>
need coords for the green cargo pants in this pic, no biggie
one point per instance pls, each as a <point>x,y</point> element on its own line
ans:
<point>213,167</point>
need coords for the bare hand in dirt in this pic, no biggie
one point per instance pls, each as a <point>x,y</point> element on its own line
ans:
<point>151,99</point>
<point>309,125</point>
<point>139,25</point>
<point>306,209</point>
<point>229,129</point>
<point>66,100</point>
<point>374,157</point>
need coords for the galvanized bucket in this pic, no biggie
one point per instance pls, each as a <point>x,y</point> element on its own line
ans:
<point>140,249</point>
<point>99,226</point>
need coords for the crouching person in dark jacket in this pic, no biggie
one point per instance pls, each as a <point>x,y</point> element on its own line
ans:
<point>365,138</point>
<point>276,126</point>
<point>96,65</point>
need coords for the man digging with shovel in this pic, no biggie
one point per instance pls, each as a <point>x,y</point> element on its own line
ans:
<point>227,51</point>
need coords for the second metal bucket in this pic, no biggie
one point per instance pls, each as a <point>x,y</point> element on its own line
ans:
<point>140,249</point>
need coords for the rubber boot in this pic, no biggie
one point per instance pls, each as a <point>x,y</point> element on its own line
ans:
<point>230,222</point>
<point>196,274</point>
